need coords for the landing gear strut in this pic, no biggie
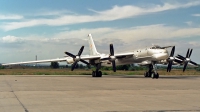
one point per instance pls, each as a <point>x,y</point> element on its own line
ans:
<point>152,71</point>
<point>97,73</point>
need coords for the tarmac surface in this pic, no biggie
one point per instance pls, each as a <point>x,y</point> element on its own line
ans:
<point>110,93</point>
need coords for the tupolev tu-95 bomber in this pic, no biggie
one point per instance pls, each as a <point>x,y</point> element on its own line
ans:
<point>147,57</point>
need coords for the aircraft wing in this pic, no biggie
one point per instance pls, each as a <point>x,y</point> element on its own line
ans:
<point>119,55</point>
<point>89,57</point>
<point>123,54</point>
<point>67,59</point>
<point>38,61</point>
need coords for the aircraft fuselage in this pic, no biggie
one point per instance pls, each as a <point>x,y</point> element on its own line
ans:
<point>142,56</point>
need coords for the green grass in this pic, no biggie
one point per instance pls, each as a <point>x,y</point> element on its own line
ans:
<point>104,73</point>
<point>42,73</point>
<point>2,74</point>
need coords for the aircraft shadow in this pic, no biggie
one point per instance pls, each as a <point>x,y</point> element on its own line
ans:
<point>163,77</point>
<point>115,76</point>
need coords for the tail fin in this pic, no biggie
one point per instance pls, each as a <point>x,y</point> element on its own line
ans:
<point>93,50</point>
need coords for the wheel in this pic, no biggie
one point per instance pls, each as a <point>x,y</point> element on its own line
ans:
<point>157,76</point>
<point>99,74</point>
<point>93,74</point>
<point>152,75</point>
<point>149,74</point>
<point>145,74</point>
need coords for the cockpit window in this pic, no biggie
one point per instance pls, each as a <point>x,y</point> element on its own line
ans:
<point>156,47</point>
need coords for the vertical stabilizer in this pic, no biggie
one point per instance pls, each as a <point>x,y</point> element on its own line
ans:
<point>93,50</point>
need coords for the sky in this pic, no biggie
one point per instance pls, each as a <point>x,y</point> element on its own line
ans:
<point>48,28</point>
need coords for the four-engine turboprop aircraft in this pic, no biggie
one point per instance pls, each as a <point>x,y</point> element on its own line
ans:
<point>147,57</point>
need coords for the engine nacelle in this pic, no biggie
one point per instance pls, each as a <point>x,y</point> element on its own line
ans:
<point>171,59</point>
<point>69,60</point>
<point>144,63</point>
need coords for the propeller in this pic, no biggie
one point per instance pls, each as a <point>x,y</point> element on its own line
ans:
<point>112,57</point>
<point>76,58</point>
<point>186,59</point>
<point>171,59</point>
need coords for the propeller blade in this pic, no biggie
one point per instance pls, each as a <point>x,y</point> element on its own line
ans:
<point>180,57</point>
<point>69,54</point>
<point>193,63</point>
<point>185,66</point>
<point>84,62</point>
<point>111,50</point>
<point>178,61</point>
<point>169,66</point>
<point>112,54</point>
<point>114,66</point>
<point>105,59</point>
<point>172,52</point>
<point>80,51</point>
<point>73,65</point>
<point>190,53</point>
<point>187,55</point>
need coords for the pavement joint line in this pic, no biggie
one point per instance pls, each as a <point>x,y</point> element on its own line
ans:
<point>25,109</point>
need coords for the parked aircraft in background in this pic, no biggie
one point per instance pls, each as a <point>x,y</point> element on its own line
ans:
<point>147,57</point>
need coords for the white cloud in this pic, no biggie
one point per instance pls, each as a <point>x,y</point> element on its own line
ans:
<point>123,40</point>
<point>158,31</point>
<point>9,17</point>
<point>106,15</point>
<point>189,23</point>
<point>197,15</point>
<point>128,35</point>
<point>10,39</point>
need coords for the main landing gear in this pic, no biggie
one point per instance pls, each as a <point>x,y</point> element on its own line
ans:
<point>152,72</point>
<point>97,73</point>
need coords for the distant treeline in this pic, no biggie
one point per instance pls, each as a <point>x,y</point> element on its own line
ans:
<point>130,67</point>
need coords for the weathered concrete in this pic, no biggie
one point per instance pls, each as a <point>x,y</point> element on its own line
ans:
<point>109,93</point>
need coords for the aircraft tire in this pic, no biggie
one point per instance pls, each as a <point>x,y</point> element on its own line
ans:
<point>153,75</point>
<point>99,74</point>
<point>149,74</point>
<point>146,74</point>
<point>157,76</point>
<point>93,74</point>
